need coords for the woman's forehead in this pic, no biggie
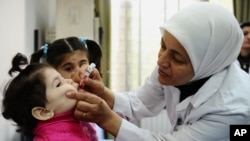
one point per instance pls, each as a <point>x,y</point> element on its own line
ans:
<point>172,43</point>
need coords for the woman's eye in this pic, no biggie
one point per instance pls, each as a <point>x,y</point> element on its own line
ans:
<point>163,48</point>
<point>179,61</point>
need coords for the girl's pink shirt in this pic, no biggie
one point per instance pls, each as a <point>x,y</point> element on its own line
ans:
<point>64,127</point>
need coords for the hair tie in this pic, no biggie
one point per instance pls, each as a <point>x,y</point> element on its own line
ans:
<point>84,41</point>
<point>45,49</point>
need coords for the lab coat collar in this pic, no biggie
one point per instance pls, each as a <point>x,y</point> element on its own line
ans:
<point>208,89</point>
<point>204,93</point>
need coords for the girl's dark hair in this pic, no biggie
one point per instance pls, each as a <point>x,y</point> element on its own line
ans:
<point>21,94</point>
<point>17,61</point>
<point>57,51</point>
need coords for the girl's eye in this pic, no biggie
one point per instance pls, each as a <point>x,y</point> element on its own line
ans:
<point>58,84</point>
<point>68,69</point>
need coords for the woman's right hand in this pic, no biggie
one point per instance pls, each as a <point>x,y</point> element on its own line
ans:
<point>94,84</point>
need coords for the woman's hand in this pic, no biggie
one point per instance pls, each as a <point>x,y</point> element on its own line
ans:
<point>92,108</point>
<point>95,85</point>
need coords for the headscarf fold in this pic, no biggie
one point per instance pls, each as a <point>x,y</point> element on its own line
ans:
<point>210,34</point>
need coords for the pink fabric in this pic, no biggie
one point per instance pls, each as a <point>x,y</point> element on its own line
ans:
<point>64,127</point>
<point>91,130</point>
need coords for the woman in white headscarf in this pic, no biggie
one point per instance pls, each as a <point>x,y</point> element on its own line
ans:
<point>203,91</point>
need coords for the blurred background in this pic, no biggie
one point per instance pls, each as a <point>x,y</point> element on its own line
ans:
<point>127,30</point>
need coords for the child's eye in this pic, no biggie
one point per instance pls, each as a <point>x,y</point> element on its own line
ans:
<point>58,84</point>
<point>68,69</point>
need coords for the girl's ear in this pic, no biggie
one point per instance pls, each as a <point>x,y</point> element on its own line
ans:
<point>42,113</point>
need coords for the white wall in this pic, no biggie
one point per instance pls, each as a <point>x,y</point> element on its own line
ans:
<point>75,18</point>
<point>19,18</point>
<point>12,40</point>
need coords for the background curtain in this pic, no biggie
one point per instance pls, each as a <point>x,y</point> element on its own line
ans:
<point>242,10</point>
<point>102,10</point>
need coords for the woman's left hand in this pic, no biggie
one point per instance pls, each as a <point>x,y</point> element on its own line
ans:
<point>92,108</point>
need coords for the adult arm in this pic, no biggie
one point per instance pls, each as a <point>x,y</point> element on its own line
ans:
<point>210,127</point>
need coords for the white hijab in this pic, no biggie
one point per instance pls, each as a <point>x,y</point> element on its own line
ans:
<point>210,34</point>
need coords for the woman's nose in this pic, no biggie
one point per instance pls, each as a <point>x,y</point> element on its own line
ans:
<point>165,64</point>
<point>163,60</point>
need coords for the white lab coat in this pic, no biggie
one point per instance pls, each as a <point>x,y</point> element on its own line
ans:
<point>222,101</point>
<point>238,64</point>
<point>212,38</point>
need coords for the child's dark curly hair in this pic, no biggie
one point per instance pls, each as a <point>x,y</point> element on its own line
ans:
<point>21,94</point>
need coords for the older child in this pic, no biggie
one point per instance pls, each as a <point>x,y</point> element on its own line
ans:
<point>68,55</point>
<point>35,100</point>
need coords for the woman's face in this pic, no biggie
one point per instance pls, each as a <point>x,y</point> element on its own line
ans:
<point>56,89</point>
<point>72,64</point>
<point>175,67</point>
<point>246,32</point>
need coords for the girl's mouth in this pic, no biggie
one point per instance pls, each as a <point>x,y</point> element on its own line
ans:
<point>80,88</point>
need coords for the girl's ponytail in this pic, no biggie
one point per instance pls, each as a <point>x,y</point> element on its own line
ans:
<point>17,62</point>
<point>35,57</point>
<point>95,53</point>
